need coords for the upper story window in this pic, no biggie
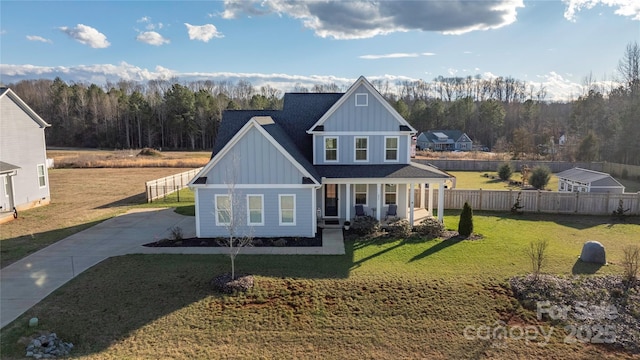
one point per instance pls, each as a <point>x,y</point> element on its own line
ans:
<point>362,148</point>
<point>391,148</point>
<point>330,149</point>
<point>42,179</point>
<point>362,99</point>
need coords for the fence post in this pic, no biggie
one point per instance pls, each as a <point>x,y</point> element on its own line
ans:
<point>538,201</point>
<point>480,199</point>
<point>577,202</point>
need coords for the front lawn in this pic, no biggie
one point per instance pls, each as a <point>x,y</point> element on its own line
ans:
<point>386,298</point>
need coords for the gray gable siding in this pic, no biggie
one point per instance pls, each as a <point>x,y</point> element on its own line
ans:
<point>22,143</point>
<point>376,152</point>
<point>373,117</point>
<point>254,160</point>
<point>271,228</point>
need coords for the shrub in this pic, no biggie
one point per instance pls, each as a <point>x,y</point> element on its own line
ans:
<point>630,263</point>
<point>365,225</point>
<point>537,253</point>
<point>540,177</point>
<point>225,283</point>
<point>399,228</point>
<point>149,152</point>
<point>176,233</point>
<point>625,173</point>
<point>465,226</point>
<point>504,171</point>
<point>430,227</point>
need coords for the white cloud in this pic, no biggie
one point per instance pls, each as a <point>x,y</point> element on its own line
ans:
<point>38,38</point>
<point>628,8</point>
<point>366,19</point>
<point>152,38</point>
<point>87,35</point>
<point>428,54</point>
<point>203,32</point>
<point>389,56</point>
<point>149,25</point>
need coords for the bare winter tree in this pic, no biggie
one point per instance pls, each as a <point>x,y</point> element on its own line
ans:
<point>230,211</point>
<point>629,66</point>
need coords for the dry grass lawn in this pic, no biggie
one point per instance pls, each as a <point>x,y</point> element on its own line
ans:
<point>83,158</point>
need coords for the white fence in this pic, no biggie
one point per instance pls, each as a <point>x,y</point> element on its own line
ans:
<point>541,201</point>
<point>160,188</point>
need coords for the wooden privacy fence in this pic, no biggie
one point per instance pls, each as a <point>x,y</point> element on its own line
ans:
<point>539,201</point>
<point>160,188</point>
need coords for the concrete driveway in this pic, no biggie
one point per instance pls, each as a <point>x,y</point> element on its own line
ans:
<point>27,281</point>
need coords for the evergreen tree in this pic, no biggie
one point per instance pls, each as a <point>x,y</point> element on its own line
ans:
<point>465,226</point>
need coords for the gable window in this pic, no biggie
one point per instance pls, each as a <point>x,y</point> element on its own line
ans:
<point>362,146</point>
<point>361,194</point>
<point>391,148</point>
<point>223,210</point>
<point>42,180</point>
<point>390,193</point>
<point>287,205</point>
<point>255,212</point>
<point>330,149</point>
<point>362,99</point>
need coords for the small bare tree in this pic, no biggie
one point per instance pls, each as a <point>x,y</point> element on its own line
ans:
<point>229,212</point>
<point>630,263</point>
<point>537,253</point>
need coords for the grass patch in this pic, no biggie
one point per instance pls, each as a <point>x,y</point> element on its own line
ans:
<point>385,298</point>
<point>133,158</point>
<point>476,180</point>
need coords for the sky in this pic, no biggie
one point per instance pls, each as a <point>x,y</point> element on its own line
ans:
<point>552,43</point>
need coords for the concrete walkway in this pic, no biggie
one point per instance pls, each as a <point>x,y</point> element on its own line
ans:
<point>29,280</point>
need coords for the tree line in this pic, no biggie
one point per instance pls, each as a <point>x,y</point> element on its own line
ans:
<point>504,113</point>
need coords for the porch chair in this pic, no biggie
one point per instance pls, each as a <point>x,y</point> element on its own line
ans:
<point>360,211</point>
<point>392,211</point>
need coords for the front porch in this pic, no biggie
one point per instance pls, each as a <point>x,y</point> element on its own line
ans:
<point>419,215</point>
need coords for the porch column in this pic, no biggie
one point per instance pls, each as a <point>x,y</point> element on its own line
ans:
<point>378,201</point>
<point>422,195</point>
<point>347,194</point>
<point>441,202</point>
<point>430,209</point>
<point>411,203</point>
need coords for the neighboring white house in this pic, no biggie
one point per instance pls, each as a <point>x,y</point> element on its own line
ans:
<point>584,180</point>
<point>24,181</point>
<point>317,159</point>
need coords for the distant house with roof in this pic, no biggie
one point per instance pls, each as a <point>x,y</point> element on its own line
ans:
<point>585,180</point>
<point>24,181</point>
<point>323,157</point>
<point>445,140</point>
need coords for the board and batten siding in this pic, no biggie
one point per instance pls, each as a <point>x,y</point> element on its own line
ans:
<point>22,143</point>
<point>254,160</point>
<point>373,117</point>
<point>305,224</point>
<point>376,149</point>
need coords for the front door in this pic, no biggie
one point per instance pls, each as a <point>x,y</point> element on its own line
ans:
<point>331,200</point>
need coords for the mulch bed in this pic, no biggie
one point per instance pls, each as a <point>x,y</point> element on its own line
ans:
<point>256,242</point>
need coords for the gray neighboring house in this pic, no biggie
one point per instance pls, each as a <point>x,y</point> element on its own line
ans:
<point>282,172</point>
<point>584,180</point>
<point>24,181</point>
<point>445,140</point>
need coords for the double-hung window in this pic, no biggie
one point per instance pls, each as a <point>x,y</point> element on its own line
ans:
<point>330,149</point>
<point>42,179</point>
<point>223,210</point>
<point>362,148</point>
<point>391,148</point>
<point>255,210</point>
<point>361,194</point>
<point>287,206</point>
<point>390,193</point>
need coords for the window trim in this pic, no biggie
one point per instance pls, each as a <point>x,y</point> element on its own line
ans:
<point>280,222</point>
<point>356,149</point>
<point>397,149</point>
<point>42,177</point>
<point>218,222</point>
<point>249,223</point>
<point>337,149</point>
<point>389,192</point>
<point>356,192</point>
<point>364,96</point>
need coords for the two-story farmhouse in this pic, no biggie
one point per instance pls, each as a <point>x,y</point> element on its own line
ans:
<point>278,173</point>
<point>24,180</point>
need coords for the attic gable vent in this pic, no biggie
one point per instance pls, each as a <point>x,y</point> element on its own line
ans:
<point>362,99</point>
<point>263,120</point>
